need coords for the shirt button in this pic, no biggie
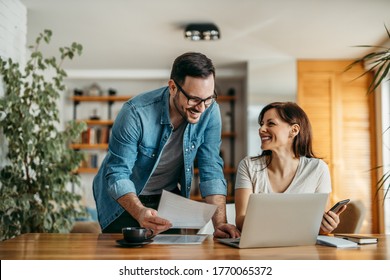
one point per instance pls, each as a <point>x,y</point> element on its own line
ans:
<point>188,170</point>
<point>192,146</point>
<point>153,155</point>
<point>186,150</point>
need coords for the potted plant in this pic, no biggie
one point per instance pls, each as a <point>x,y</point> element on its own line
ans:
<point>378,62</point>
<point>36,181</point>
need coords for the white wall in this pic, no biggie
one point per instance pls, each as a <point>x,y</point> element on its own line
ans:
<point>268,80</point>
<point>13,31</point>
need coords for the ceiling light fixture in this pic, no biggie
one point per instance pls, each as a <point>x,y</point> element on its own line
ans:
<point>202,31</point>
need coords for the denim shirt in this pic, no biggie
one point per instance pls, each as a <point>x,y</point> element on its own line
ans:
<point>138,136</point>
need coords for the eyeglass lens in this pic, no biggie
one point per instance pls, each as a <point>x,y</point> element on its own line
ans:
<point>195,101</point>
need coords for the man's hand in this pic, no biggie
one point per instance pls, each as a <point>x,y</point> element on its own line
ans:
<point>226,231</point>
<point>146,217</point>
<point>149,218</point>
<point>221,228</point>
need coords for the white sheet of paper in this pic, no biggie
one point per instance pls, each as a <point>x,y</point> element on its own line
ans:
<point>183,212</point>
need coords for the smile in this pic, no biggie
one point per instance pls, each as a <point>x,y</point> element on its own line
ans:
<point>194,112</point>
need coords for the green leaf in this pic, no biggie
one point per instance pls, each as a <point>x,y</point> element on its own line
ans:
<point>379,61</point>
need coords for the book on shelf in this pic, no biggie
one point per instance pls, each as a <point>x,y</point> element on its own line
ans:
<point>357,238</point>
<point>104,135</point>
<point>95,135</point>
<point>90,161</point>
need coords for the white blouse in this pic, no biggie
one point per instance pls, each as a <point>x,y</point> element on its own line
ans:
<point>312,176</point>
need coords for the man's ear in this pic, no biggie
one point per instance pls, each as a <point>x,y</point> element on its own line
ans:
<point>172,87</point>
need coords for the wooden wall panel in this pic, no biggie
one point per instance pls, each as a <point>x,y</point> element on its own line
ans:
<point>339,110</point>
<point>316,104</point>
<point>355,136</point>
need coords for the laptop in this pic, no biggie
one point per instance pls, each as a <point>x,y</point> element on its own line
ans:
<point>277,220</point>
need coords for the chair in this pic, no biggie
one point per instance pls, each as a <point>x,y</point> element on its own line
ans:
<point>231,219</point>
<point>89,225</point>
<point>86,227</point>
<point>351,219</point>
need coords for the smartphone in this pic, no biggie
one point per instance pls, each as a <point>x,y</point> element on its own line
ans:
<point>335,208</point>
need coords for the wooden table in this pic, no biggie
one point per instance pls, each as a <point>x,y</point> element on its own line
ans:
<point>80,246</point>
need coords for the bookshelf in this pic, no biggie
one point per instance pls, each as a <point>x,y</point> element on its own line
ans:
<point>96,137</point>
<point>83,105</point>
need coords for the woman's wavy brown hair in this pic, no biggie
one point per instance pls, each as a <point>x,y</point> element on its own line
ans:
<point>292,114</point>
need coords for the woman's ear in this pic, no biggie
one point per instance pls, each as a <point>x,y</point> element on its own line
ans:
<point>295,128</point>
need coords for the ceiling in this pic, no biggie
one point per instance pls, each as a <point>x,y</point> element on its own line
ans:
<point>149,34</point>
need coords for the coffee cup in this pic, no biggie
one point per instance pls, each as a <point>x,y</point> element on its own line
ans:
<point>137,234</point>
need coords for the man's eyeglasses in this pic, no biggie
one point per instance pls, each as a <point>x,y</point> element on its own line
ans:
<point>195,101</point>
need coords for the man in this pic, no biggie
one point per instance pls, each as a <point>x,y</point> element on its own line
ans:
<point>154,141</point>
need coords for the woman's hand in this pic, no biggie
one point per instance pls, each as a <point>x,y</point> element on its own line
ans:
<point>330,221</point>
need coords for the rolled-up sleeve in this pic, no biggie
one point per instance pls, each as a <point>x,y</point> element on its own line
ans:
<point>212,179</point>
<point>122,152</point>
<point>120,188</point>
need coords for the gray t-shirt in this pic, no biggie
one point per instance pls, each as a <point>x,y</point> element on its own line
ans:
<point>312,176</point>
<point>170,166</point>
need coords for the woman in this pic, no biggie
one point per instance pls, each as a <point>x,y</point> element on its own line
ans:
<point>287,163</point>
